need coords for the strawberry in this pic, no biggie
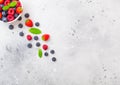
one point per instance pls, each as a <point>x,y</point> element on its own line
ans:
<point>19,10</point>
<point>0,15</point>
<point>45,37</point>
<point>1,1</point>
<point>29,23</point>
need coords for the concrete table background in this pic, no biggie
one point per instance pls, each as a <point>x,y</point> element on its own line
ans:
<point>85,35</point>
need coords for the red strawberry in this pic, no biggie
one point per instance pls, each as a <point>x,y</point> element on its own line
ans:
<point>29,23</point>
<point>0,15</point>
<point>1,1</point>
<point>45,37</point>
<point>19,10</point>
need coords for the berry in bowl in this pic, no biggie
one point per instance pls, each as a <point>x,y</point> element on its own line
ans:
<point>10,10</point>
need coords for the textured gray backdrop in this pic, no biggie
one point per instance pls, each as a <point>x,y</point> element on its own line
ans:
<point>85,35</point>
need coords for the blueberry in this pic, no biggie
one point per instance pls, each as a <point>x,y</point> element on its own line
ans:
<point>37,24</point>
<point>29,45</point>
<point>20,18</point>
<point>21,34</point>
<point>1,5</point>
<point>11,27</point>
<point>46,54</point>
<point>36,38</point>
<point>26,15</point>
<point>20,25</point>
<point>37,44</point>
<point>16,15</point>
<point>4,19</point>
<point>4,13</point>
<point>54,59</point>
<point>52,52</point>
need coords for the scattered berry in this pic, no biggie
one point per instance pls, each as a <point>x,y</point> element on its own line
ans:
<point>29,37</point>
<point>37,24</point>
<point>38,44</point>
<point>20,25</point>
<point>36,38</point>
<point>45,37</point>
<point>52,52</point>
<point>20,18</point>
<point>26,15</point>
<point>21,34</point>
<point>54,59</point>
<point>46,54</point>
<point>29,23</point>
<point>45,47</point>
<point>29,45</point>
<point>11,27</point>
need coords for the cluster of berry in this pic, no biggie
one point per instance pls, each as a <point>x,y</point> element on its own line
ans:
<point>35,34</point>
<point>10,10</point>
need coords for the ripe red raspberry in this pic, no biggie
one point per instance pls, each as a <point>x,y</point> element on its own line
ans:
<point>0,9</point>
<point>45,47</point>
<point>7,2</point>
<point>29,37</point>
<point>10,17</point>
<point>18,4</point>
<point>11,11</point>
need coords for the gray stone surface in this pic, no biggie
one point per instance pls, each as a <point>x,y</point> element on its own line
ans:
<point>85,35</point>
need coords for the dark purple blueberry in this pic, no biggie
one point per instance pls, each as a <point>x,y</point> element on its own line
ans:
<point>16,15</point>
<point>20,18</point>
<point>26,15</point>
<point>46,54</point>
<point>37,24</point>
<point>20,25</point>
<point>54,59</point>
<point>1,5</point>
<point>29,45</point>
<point>4,13</point>
<point>4,19</point>
<point>38,44</point>
<point>36,38</point>
<point>21,34</point>
<point>11,27</point>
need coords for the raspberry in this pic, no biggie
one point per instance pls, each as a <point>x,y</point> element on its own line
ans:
<point>7,2</point>
<point>29,37</point>
<point>10,17</point>
<point>11,11</point>
<point>0,9</point>
<point>18,4</point>
<point>45,47</point>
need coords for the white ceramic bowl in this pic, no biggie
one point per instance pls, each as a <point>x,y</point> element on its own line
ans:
<point>18,16</point>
